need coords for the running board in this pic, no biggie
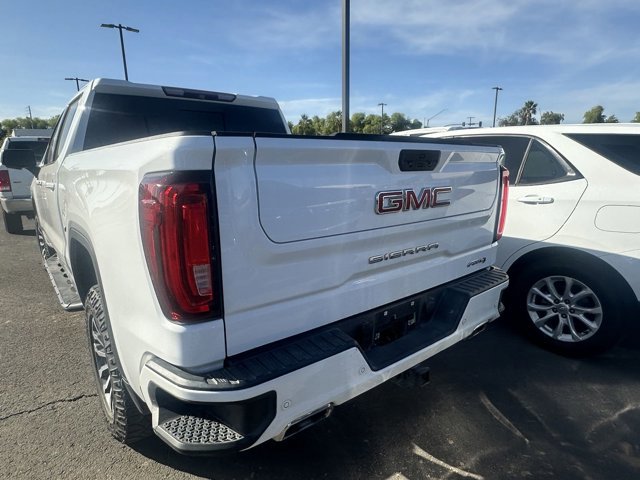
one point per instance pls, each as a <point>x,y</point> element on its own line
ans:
<point>63,284</point>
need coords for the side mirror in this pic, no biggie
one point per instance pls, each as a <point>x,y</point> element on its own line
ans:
<point>19,159</point>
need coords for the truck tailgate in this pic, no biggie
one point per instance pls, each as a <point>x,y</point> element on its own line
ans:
<point>314,188</point>
<point>306,238</point>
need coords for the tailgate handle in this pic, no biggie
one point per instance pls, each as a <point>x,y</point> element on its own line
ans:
<point>418,160</point>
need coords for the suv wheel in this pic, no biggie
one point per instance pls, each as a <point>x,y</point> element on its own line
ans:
<point>568,310</point>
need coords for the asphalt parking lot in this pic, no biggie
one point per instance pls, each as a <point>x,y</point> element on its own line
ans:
<point>497,408</point>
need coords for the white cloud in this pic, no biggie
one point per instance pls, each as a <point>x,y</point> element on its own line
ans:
<point>272,28</point>
<point>566,32</point>
<point>293,109</point>
<point>617,97</point>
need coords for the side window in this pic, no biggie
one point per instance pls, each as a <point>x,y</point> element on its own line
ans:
<point>514,150</point>
<point>59,134</point>
<point>64,129</point>
<point>542,166</point>
<point>48,154</point>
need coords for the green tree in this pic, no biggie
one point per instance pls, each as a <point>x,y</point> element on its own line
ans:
<point>528,111</point>
<point>317,124</point>
<point>399,122</point>
<point>522,116</point>
<point>612,119</point>
<point>636,119</point>
<point>551,118</point>
<point>9,124</point>
<point>510,121</point>
<point>332,123</point>
<point>357,122</point>
<point>304,126</point>
<point>594,115</point>
<point>371,124</point>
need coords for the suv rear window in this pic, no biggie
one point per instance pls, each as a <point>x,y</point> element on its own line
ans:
<point>621,149</point>
<point>38,147</point>
<point>120,118</point>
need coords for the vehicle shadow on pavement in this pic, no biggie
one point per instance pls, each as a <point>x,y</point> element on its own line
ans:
<point>497,407</point>
<point>26,233</point>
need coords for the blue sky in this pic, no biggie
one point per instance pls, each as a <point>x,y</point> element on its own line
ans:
<point>417,56</point>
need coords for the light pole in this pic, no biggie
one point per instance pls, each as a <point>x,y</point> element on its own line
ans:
<point>382,105</point>
<point>30,116</point>
<point>434,116</point>
<point>77,80</point>
<point>345,65</point>
<point>128,29</point>
<point>495,105</point>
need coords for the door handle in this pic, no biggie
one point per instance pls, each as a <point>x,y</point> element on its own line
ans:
<point>535,200</point>
<point>50,185</point>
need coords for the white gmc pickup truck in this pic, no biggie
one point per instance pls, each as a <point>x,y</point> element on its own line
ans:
<point>240,282</point>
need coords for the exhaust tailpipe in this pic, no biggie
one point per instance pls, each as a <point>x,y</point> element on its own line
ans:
<point>477,330</point>
<point>306,421</point>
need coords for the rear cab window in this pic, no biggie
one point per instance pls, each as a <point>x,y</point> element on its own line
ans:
<point>38,146</point>
<point>621,149</point>
<point>116,118</point>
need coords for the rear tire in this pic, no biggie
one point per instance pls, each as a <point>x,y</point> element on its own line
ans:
<point>12,222</point>
<point>124,420</point>
<point>568,309</point>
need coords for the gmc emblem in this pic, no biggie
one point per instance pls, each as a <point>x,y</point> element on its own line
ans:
<point>402,200</point>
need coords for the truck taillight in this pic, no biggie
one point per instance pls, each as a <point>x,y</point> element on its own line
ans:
<point>504,199</point>
<point>176,228</point>
<point>5,181</point>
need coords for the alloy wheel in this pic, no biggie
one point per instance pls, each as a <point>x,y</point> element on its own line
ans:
<point>564,308</point>
<point>102,366</point>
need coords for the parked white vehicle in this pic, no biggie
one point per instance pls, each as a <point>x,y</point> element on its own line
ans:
<point>15,193</point>
<point>572,238</point>
<point>238,286</point>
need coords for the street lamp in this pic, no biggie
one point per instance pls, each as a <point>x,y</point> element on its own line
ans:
<point>346,13</point>
<point>128,29</point>
<point>382,105</point>
<point>434,116</point>
<point>495,105</point>
<point>77,80</point>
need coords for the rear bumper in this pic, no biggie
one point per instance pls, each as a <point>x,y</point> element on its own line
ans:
<point>289,385</point>
<point>17,205</point>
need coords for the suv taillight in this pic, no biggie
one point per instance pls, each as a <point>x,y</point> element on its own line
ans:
<point>504,199</point>
<point>176,227</point>
<point>5,181</point>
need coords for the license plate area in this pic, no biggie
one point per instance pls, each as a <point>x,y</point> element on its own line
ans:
<point>392,332</point>
<point>394,323</point>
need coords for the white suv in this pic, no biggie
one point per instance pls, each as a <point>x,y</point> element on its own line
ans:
<point>572,237</point>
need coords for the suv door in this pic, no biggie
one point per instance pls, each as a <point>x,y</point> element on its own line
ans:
<point>544,191</point>
<point>45,187</point>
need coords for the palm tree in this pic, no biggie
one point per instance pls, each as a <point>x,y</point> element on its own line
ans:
<point>528,111</point>
<point>304,125</point>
